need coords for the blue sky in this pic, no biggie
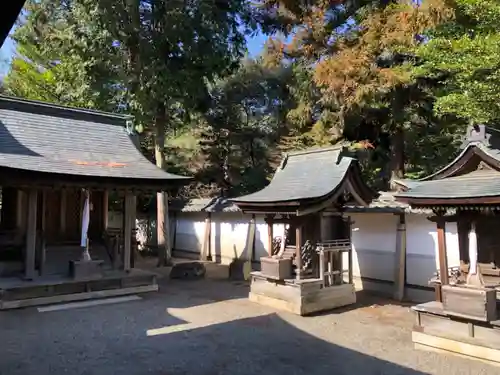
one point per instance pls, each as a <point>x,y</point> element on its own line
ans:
<point>8,49</point>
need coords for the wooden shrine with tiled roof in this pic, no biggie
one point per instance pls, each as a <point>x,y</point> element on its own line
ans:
<point>52,159</point>
<point>310,269</point>
<point>464,318</point>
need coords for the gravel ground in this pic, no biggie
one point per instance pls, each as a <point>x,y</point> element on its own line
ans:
<point>208,327</point>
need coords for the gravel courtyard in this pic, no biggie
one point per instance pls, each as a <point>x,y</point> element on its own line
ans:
<point>209,328</point>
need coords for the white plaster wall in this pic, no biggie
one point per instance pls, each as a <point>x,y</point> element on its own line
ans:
<point>422,248</point>
<point>374,245</point>
<point>229,233</point>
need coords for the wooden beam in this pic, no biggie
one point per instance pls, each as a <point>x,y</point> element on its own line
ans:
<point>206,248</point>
<point>298,248</point>
<point>443,259</point>
<point>270,225</point>
<point>400,261</point>
<point>29,259</point>
<point>129,218</point>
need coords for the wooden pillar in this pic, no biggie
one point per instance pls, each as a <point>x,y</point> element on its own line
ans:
<point>250,246</point>
<point>105,208</point>
<point>29,259</point>
<point>443,259</point>
<point>206,248</point>
<point>128,225</point>
<point>43,225</point>
<point>350,262</point>
<point>270,225</point>
<point>400,261</point>
<point>20,210</point>
<point>298,248</point>
<point>62,212</point>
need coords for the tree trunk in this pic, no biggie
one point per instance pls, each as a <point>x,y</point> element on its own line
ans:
<point>162,227</point>
<point>397,162</point>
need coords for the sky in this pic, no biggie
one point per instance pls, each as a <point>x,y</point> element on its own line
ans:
<point>255,45</point>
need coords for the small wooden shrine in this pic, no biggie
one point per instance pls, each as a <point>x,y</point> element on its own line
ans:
<point>310,269</point>
<point>464,318</point>
<point>58,166</point>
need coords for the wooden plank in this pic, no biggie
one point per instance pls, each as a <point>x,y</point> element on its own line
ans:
<point>400,261</point>
<point>30,256</point>
<point>5,305</point>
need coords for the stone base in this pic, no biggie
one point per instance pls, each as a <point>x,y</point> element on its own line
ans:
<point>436,330</point>
<point>81,269</point>
<point>302,297</point>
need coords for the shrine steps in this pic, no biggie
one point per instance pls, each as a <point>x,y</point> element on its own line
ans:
<point>17,293</point>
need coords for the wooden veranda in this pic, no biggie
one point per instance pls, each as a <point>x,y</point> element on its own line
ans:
<point>54,162</point>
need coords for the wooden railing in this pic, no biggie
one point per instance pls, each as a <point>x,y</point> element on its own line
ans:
<point>331,269</point>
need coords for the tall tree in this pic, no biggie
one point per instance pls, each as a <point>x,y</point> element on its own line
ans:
<point>464,55</point>
<point>156,57</point>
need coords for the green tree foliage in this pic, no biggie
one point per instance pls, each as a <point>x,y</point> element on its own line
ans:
<point>464,54</point>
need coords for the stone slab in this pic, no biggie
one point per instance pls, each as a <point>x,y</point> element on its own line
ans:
<point>425,341</point>
<point>293,299</point>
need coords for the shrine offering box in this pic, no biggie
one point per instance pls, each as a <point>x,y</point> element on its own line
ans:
<point>472,303</point>
<point>276,268</point>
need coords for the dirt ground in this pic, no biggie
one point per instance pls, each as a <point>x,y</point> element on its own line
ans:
<point>210,328</point>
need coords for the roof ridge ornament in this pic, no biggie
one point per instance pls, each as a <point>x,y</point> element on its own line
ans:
<point>477,133</point>
<point>283,163</point>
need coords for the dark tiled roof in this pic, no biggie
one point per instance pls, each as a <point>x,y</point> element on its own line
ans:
<point>303,175</point>
<point>384,203</point>
<point>476,184</point>
<point>455,180</point>
<point>204,205</point>
<point>44,138</point>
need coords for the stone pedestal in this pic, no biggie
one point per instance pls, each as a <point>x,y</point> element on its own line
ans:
<point>85,269</point>
<point>301,297</point>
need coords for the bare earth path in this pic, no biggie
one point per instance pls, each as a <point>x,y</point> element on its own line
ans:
<point>210,328</point>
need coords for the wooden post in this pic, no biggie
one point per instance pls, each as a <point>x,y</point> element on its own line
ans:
<point>322,267</point>
<point>298,252</point>
<point>105,208</point>
<point>43,254</point>
<point>349,254</point>
<point>129,213</point>
<point>400,260</point>
<point>250,245</point>
<point>270,225</point>
<point>62,212</point>
<point>443,259</point>
<point>29,261</point>
<point>206,250</point>
<point>20,210</point>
